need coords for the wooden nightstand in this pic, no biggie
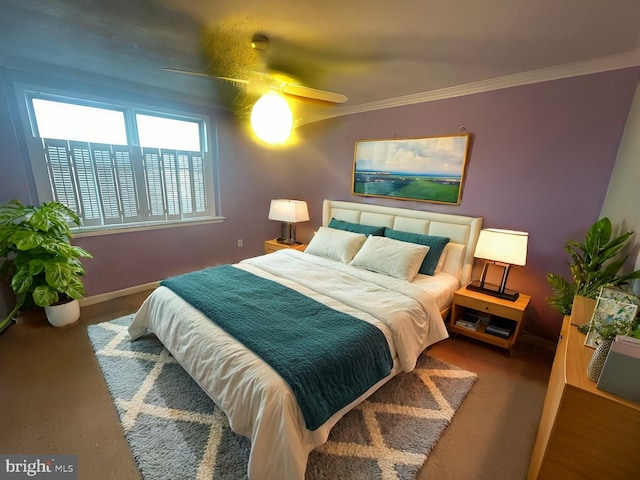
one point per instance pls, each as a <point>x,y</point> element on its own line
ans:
<point>271,246</point>
<point>493,308</point>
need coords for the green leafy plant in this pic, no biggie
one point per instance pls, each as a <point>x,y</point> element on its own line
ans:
<point>36,255</point>
<point>595,263</point>
<point>608,331</point>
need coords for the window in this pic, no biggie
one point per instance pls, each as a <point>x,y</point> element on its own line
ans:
<point>119,165</point>
<point>78,122</point>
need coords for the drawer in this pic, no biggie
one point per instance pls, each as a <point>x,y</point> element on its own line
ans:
<point>490,308</point>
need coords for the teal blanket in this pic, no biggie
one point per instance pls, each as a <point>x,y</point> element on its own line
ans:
<point>327,357</point>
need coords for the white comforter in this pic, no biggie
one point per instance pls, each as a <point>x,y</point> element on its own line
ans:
<point>259,404</point>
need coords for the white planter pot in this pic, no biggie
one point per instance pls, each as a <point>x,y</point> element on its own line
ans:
<point>64,314</point>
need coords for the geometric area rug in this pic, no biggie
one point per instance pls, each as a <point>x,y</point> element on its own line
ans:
<point>176,432</point>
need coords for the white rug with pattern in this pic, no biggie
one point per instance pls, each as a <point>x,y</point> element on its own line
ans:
<point>176,432</point>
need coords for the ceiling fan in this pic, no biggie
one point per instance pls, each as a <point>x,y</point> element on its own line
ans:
<point>261,79</point>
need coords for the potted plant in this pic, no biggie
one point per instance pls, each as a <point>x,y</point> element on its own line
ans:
<point>594,264</point>
<point>38,260</point>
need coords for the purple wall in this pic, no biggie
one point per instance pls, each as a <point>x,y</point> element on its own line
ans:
<point>540,161</point>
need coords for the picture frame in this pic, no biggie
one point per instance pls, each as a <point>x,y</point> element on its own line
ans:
<point>615,293</point>
<point>612,306</point>
<point>427,169</point>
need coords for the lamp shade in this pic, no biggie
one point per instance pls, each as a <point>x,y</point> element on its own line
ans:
<point>506,246</point>
<point>291,211</point>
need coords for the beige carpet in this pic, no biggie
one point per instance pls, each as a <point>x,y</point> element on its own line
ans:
<point>54,400</point>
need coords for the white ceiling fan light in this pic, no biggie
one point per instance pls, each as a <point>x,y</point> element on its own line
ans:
<point>272,118</point>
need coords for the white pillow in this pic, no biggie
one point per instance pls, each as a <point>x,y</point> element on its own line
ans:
<point>391,257</point>
<point>454,259</point>
<point>335,244</point>
<point>442,258</point>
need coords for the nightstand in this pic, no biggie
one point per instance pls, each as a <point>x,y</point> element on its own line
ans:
<point>271,246</point>
<point>490,309</point>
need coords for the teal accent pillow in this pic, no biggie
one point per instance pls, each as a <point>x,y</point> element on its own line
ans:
<point>356,228</point>
<point>436,246</point>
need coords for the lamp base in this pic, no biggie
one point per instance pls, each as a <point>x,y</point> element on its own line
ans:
<point>493,290</point>
<point>288,234</point>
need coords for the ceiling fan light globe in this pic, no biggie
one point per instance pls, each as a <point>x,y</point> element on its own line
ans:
<point>272,119</point>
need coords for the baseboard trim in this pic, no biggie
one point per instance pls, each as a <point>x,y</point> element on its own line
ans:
<point>104,297</point>
<point>531,339</point>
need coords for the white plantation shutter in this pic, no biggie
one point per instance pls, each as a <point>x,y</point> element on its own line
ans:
<point>90,210</point>
<point>154,184</point>
<point>118,184</point>
<point>193,197</point>
<point>61,173</point>
<point>107,188</point>
<point>171,190</point>
<point>128,188</point>
<point>197,178</point>
<point>186,187</point>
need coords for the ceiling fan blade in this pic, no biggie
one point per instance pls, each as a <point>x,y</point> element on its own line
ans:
<point>285,87</point>
<point>187,72</point>
<point>205,75</point>
<point>232,80</point>
<point>313,93</point>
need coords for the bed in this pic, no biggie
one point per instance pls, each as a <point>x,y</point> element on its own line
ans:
<point>339,273</point>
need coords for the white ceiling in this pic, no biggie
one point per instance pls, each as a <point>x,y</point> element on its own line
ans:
<point>377,52</point>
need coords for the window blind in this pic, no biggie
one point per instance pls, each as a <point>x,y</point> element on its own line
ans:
<point>119,184</point>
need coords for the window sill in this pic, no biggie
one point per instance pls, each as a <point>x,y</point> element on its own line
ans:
<point>138,227</point>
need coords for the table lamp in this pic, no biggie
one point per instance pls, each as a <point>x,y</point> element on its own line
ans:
<point>502,248</point>
<point>289,212</point>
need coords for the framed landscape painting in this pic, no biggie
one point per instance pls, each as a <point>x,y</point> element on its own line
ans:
<point>428,169</point>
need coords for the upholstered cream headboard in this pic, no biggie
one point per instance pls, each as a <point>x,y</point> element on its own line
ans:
<point>463,231</point>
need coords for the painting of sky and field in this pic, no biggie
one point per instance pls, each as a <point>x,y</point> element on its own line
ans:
<point>429,169</point>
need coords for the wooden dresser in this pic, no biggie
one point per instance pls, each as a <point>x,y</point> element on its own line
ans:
<point>584,433</point>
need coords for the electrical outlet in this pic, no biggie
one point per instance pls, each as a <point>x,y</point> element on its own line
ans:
<point>239,243</point>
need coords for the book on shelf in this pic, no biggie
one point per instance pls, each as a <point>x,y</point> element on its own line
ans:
<point>499,327</point>
<point>497,331</point>
<point>468,326</point>
<point>470,320</point>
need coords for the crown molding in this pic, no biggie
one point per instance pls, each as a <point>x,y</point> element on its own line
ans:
<point>603,64</point>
